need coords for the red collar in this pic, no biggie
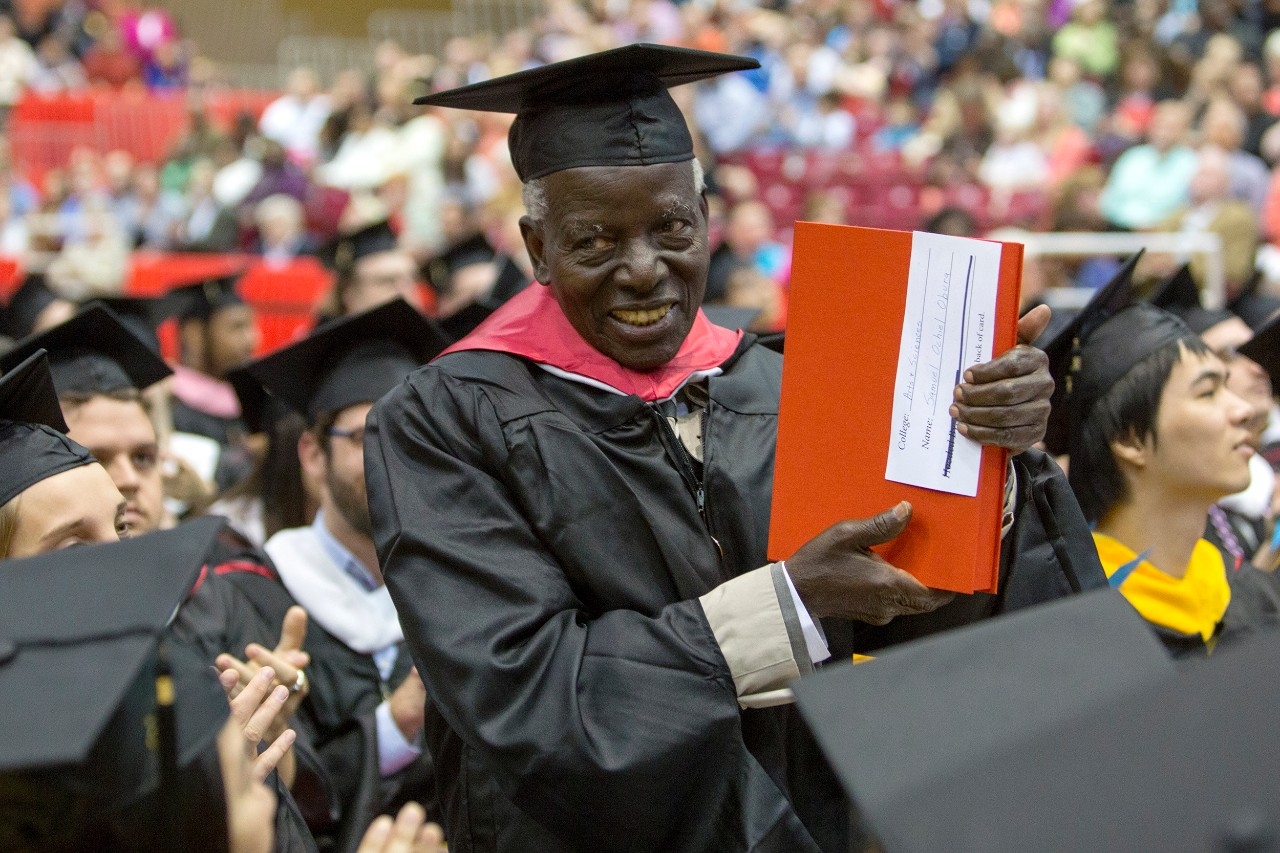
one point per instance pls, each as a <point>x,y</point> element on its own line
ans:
<point>531,325</point>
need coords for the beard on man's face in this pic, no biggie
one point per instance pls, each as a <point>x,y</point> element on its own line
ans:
<point>351,502</point>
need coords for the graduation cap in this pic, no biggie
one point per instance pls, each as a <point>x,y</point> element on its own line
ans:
<point>1107,339</point>
<point>1264,348</point>
<point>202,299</point>
<point>101,711</point>
<point>605,109</point>
<point>356,359</point>
<point>472,250</point>
<point>1180,295</point>
<point>144,314</point>
<point>94,352</point>
<point>1253,307</point>
<point>33,441</point>
<point>26,304</point>
<point>731,316</point>
<point>511,279</point>
<point>342,253</point>
<point>919,716</point>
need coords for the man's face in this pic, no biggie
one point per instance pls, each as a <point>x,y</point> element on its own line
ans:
<point>625,251</point>
<point>380,278</point>
<point>1246,378</point>
<point>119,435</point>
<point>344,476</point>
<point>75,507</point>
<point>233,338</point>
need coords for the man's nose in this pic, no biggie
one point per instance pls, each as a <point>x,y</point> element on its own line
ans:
<point>641,266</point>
<point>125,476</point>
<point>1239,410</point>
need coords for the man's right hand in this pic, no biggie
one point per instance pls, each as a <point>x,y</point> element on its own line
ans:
<point>837,574</point>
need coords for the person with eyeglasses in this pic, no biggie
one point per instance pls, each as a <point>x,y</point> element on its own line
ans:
<point>364,714</point>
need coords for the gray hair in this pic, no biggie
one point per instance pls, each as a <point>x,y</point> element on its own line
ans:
<point>534,192</point>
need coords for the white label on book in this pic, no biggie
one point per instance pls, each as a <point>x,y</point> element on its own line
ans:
<point>947,328</point>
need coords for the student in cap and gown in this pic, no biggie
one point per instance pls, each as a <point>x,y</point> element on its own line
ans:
<point>1155,438</point>
<point>217,333</point>
<point>472,280</point>
<point>364,712</point>
<point>53,493</point>
<point>1239,524</point>
<point>571,505</point>
<point>33,308</point>
<point>371,269</point>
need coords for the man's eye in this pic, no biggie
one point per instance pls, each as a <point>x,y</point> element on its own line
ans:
<point>145,461</point>
<point>124,530</point>
<point>674,226</point>
<point>595,243</point>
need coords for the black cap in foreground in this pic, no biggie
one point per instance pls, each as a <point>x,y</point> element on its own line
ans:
<point>1107,339</point>
<point>923,713</point>
<point>144,314</point>
<point>91,700</point>
<point>94,353</point>
<point>1187,764</point>
<point>1179,295</point>
<point>353,360</point>
<point>604,109</point>
<point>33,441</point>
<point>1264,348</point>
<point>1253,307</point>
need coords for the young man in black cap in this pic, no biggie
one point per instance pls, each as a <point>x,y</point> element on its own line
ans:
<point>371,270</point>
<point>571,509</point>
<point>1156,437</point>
<point>218,332</point>
<point>364,713</point>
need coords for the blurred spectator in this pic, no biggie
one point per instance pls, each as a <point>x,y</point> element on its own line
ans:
<point>166,68</point>
<point>1213,209</point>
<point>208,225</point>
<point>56,68</point>
<point>901,125</point>
<point>1013,162</point>
<point>94,263</point>
<point>279,176</point>
<point>1224,125</point>
<point>1137,94</point>
<point>1246,91</point>
<point>281,232</point>
<point>365,154</point>
<point>1149,182</point>
<point>296,118</point>
<point>155,215</point>
<point>1083,101</point>
<point>18,65</point>
<point>730,112</point>
<point>109,63</point>
<point>748,240</point>
<point>14,238</point>
<point>1089,38</point>
<point>145,28</point>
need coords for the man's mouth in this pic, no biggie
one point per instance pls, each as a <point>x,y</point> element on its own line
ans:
<point>640,317</point>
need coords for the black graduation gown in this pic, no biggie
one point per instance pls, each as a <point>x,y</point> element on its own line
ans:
<point>1255,606</point>
<point>545,553</point>
<point>339,786</point>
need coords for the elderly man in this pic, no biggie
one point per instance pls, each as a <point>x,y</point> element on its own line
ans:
<point>570,508</point>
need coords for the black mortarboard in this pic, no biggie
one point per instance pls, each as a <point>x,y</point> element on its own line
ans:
<point>353,360</point>
<point>1187,763</point>
<point>342,253</point>
<point>921,712</point>
<point>202,299</point>
<point>1180,295</point>
<point>94,352</point>
<point>1264,348</point>
<point>475,249</point>
<point>94,697</point>
<point>605,109</point>
<point>511,279</point>
<point>1106,340</point>
<point>1253,307</point>
<point>731,316</point>
<point>33,441</point>
<point>144,314</point>
<point>26,304</point>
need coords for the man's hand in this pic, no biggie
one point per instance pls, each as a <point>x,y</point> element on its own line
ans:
<point>836,573</point>
<point>409,705</point>
<point>1005,402</point>
<point>409,834</point>
<point>257,710</point>
<point>287,661</point>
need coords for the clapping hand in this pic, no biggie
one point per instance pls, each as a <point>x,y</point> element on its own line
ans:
<point>257,708</point>
<point>409,833</point>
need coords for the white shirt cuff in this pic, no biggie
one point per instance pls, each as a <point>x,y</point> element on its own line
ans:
<point>394,752</point>
<point>814,642</point>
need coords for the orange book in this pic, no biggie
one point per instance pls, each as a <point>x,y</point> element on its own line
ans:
<point>846,334</point>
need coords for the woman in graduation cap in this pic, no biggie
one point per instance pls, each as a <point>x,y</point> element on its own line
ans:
<point>1155,438</point>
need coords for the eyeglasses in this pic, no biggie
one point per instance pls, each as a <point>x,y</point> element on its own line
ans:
<point>356,435</point>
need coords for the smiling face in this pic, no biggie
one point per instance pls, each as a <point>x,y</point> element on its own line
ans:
<point>625,251</point>
<point>1203,445</point>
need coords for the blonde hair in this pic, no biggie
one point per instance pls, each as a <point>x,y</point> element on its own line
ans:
<point>8,524</point>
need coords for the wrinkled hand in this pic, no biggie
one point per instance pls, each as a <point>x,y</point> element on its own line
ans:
<point>409,705</point>
<point>408,834</point>
<point>837,574</point>
<point>1005,402</point>
<point>257,708</point>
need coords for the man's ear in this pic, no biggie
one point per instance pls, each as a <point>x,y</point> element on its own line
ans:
<point>311,456</point>
<point>704,206</point>
<point>531,231</point>
<point>1130,451</point>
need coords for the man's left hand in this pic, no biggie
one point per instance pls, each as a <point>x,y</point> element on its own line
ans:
<point>1005,402</point>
